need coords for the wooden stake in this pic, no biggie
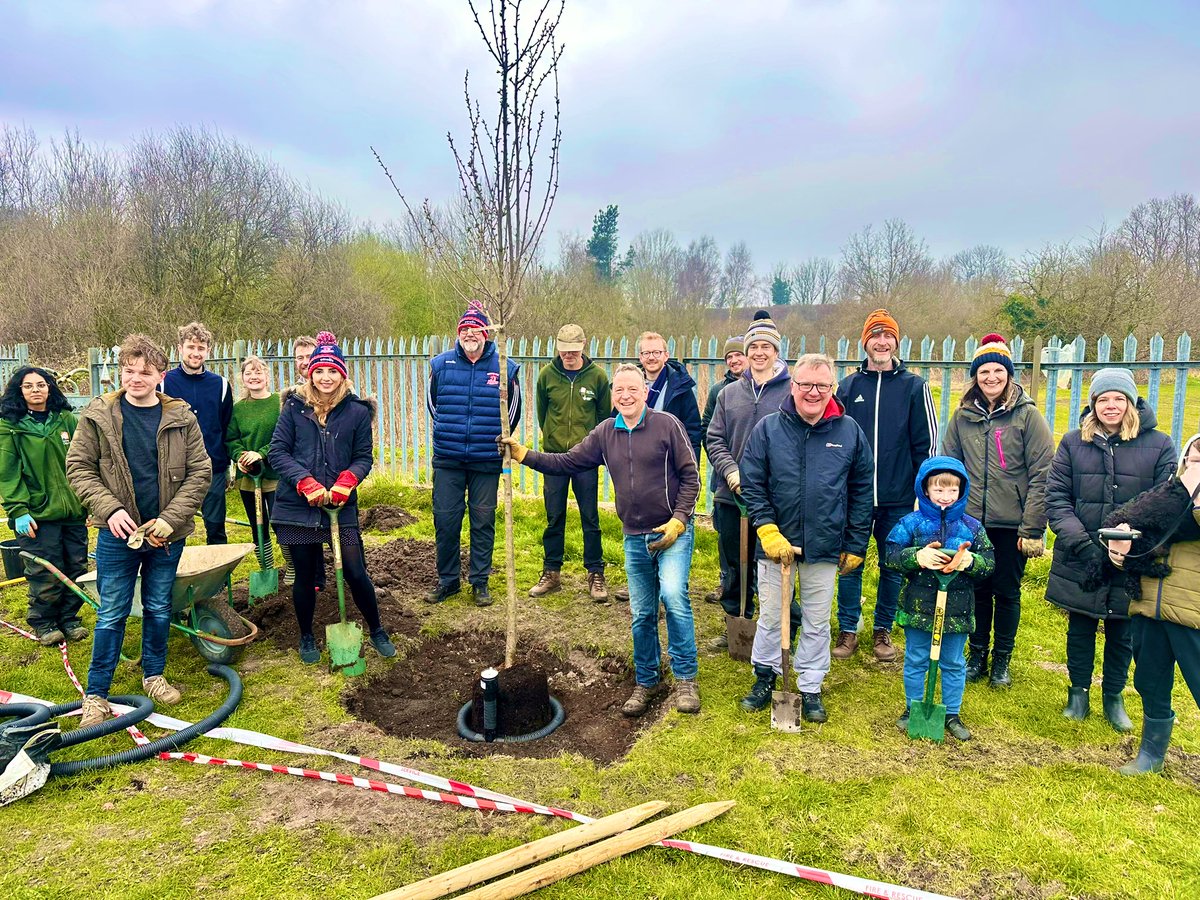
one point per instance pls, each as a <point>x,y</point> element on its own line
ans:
<point>525,855</point>
<point>510,553</point>
<point>574,863</point>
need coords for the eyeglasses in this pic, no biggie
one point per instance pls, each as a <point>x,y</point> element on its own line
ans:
<point>808,386</point>
<point>652,354</point>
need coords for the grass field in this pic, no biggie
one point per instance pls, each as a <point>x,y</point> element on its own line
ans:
<point>1030,808</point>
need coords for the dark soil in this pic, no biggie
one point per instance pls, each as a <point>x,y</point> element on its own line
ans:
<point>385,518</point>
<point>408,567</point>
<point>523,705</point>
<point>420,697</point>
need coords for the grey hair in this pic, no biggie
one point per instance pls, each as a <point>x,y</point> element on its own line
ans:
<point>814,361</point>
<point>629,367</point>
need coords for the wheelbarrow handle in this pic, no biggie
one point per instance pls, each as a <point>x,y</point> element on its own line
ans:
<point>215,639</point>
<point>70,585</point>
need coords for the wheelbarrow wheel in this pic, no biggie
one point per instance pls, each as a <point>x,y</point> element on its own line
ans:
<point>218,617</point>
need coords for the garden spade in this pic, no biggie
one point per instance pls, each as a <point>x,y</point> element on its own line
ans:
<point>345,638</point>
<point>927,719</point>
<point>264,582</point>
<point>786,708</point>
<point>740,629</point>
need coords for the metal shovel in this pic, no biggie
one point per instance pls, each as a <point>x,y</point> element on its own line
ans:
<point>264,582</point>
<point>786,707</point>
<point>739,629</point>
<point>344,639</point>
<point>927,719</point>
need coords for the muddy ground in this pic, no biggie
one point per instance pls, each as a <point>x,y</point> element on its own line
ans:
<point>385,518</point>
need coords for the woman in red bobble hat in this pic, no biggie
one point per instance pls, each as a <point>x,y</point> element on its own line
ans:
<point>322,450</point>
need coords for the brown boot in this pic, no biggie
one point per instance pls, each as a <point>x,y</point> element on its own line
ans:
<point>95,710</point>
<point>159,690</point>
<point>884,651</point>
<point>641,698</point>
<point>549,583</point>
<point>598,587</point>
<point>687,696</point>
<point>847,643</point>
<point>622,594</point>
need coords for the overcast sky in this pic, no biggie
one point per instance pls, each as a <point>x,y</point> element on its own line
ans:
<point>788,125</point>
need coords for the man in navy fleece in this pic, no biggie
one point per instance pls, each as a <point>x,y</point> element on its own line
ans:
<point>211,399</point>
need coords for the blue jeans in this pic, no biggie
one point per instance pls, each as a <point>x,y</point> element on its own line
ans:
<point>953,665</point>
<point>117,571</point>
<point>887,597</point>
<point>655,575</point>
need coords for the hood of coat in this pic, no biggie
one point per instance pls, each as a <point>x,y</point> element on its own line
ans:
<point>678,378</point>
<point>1149,419</point>
<point>174,410</point>
<point>778,373</point>
<point>932,466</point>
<point>1184,452</point>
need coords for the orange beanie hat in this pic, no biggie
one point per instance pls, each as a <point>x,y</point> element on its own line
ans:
<point>880,320</point>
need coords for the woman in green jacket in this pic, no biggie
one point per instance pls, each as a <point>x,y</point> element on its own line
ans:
<point>36,426</point>
<point>247,437</point>
<point>1006,446</point>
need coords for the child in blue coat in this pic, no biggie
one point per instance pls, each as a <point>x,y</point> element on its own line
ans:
<point>922,544</point>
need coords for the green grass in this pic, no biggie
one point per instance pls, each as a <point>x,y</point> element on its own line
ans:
<point>1032,807</point>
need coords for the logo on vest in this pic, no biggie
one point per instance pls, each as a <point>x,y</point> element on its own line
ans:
<point>493,379</point>
<point>66,438</point>
<point>586,394</point>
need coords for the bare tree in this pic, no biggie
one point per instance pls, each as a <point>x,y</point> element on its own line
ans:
<point>508,179</point>
<point>981,263</point>
<point>738,282</point>
<point>815,281</point>
<point>655,260</point>
<point>883,266</point>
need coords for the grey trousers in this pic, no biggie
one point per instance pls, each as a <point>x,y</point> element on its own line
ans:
<point>810,656</point>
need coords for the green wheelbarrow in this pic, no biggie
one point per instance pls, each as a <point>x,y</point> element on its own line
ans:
<point>197,607</point>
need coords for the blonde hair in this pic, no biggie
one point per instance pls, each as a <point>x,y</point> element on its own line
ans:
<point>195,331</point>
<point>324,404</point>
<point>1131,424</point>
<point>139,346</point>
<point>944,480</point>
<point>304,341</point>
<point>650,336</point>
<point>628,368</point>
<point>257,362</point>
<point>815,361</point>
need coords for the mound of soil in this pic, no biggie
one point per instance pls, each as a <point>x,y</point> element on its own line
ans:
<point>420,697</point>
<point>408,567</point>
<point>385,518</point>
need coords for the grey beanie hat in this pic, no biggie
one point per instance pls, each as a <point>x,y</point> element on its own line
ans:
<point>1113,379</point>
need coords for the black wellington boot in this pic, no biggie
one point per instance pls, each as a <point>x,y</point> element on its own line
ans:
<point>760,694</point>
<point>1156,735</point>
<point>977,663</point>
<point>1114,711</point>
<point>1078,703</point>
<point>1001,676</point>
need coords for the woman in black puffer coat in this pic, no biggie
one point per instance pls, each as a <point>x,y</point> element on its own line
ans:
<point>1113,456</point>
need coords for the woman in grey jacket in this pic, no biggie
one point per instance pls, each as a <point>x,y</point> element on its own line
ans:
<point>1113,456</point>
<point>1006,446</point>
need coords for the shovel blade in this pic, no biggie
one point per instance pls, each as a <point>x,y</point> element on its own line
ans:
<point>741,637</point>
<point>786,711</point>
<point>927,721</point>
<point>344,640</point>
<point>264,583</point>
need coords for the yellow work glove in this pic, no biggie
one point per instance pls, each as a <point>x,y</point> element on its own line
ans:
<point>515,449</point>
<point>774,544</point>
<point>1032,548</point>
<point>930,557</point>
<point>670,531</point>
<point>848,562</point>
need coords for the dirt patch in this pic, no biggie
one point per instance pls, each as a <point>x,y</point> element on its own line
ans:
<point>408,567</point>
<point>421,696</point>
<point>385,518</point>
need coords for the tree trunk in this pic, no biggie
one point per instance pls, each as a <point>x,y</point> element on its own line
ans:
<point>510,559</point>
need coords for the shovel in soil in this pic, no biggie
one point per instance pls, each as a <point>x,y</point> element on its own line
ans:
<point>264,582</point>
<point>786,707</point>
<point>739,629</point>
<point>927,719</point>
<point>345,638</point>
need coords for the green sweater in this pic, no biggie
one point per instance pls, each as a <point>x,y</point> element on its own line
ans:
<point>251,428</point>
<point>33,469</point>
<point>568,409</point>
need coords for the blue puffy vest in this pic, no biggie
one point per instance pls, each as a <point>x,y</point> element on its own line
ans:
<point>464,400</point>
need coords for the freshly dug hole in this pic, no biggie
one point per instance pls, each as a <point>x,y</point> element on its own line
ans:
<point>523,705</point>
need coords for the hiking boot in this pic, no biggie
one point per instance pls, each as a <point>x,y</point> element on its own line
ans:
<point>1078,703</point>
<point>95,710</point>
<point>309,654</point>
<point>598,587</point>
<point>159,690</point>
<point>902,722</point>
<point>884,651</point>
<point>73,630</point>
<point>481,595</point>
<point>443,592</point>
<point>687,696</point>
<point>760,694</point>
<point>847,643</point>
<point>1114,711</point>
<point>48,635</point>
<point>977,663</point>
<point>1156,735</point>
<point>550,582</point>
<point>641,698</point>
<point>812,707</point>
<point>1001,677</point>
<point>955,726</point>
<point>719,643</point>
<point>622,594</point>
<point>382,643</point>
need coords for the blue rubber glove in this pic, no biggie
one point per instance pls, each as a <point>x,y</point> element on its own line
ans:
<point>25,526</point>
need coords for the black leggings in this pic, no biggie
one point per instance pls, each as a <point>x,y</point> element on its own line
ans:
<point>309,560</point>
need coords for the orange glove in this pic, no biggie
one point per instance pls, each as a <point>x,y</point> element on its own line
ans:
<point>340,492</point>
<point>311,490</point>
<point>848,562</point>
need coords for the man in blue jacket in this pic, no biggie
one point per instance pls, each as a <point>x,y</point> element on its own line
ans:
<point>806,483</point>
<point>894,408</point>
<point>211,400</point>
<point>464,403</point>
<point>671,389</point>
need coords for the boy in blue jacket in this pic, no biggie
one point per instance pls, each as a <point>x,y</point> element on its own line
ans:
<point>919,546</point>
